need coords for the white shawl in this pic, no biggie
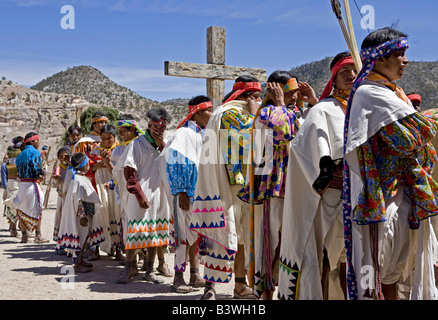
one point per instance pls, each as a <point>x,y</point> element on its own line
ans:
<point>213,214</point>
<point>320,135</point>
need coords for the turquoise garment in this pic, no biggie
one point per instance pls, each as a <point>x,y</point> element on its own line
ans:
<point>29,163</point>
<point>182,173</point>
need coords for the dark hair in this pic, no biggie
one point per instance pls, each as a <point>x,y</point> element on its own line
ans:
<point>380,36</point>
<point>243,78</point>
<point>198,99</point>
<point>17,140</point>
<point>281,76</point>
<point>338,57</point>
<point>74,127</point>
<point>97,114</point>
<point>29,135</point>
<point>77,159</point>
<point>157,114</point>
<point>110,129</point>
<point>63,150</point>
<point>126,117</point>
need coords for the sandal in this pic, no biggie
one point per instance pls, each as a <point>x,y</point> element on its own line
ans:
<point>180,286</point>
<point>209,294</point>
<point>164,270</point>
<point>240,295</point>
<point>153,278</point>
<point>82,268</point>
<point>196,281</point>
<point>40,240</point>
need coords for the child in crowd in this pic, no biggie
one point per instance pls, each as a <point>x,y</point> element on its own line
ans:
<point>110,207</point>
<point>59,175</point>
<point>81,222</point>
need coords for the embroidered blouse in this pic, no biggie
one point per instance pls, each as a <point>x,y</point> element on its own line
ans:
<point>284,125</point>
<point>239,134</point>
<point>400,153</point>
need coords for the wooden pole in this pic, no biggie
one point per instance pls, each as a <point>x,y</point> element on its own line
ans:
<point>251,267</point>
<point>355,52</point>
<point>49,187</point>
<point>348,33</point>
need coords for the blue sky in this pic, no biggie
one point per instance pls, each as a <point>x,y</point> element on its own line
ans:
<point>129,40</point>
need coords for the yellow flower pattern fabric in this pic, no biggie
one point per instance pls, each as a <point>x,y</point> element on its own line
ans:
<point>238,127</point>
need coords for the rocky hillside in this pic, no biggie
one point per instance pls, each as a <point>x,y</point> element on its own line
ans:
<point>23,110</point>
<point>420,77</point>
<point>92,85</point>
<point>52,105</point>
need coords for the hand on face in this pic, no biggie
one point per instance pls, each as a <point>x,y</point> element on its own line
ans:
<point>276,93</point>
<point>157,133</point>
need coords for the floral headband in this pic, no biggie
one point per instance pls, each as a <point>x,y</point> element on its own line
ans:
<point>129,123</point>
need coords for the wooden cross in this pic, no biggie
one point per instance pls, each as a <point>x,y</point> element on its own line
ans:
<point>215,71</point>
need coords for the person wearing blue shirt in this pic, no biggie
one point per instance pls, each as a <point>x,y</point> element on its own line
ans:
<point>29,204</point>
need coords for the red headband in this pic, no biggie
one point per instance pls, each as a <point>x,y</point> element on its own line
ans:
<point>194,109</point>
<point>242,87</point>
<point>30,139</point>
<point>414,97</point>
<point>343,62</point>
<point>160,123</point>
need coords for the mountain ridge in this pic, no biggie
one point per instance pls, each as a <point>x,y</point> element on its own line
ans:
<point>52,104</point>
<point>420,77</point>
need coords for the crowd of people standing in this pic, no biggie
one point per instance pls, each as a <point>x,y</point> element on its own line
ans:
<point>328,197</point>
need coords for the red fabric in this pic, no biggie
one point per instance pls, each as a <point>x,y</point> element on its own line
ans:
<point>194,109</point>
<point>335,69</point>
<point>35,137</point>
<point>91,174</point>
<point>414,97</point>
<point>242,87</point>
<point>132,184</point>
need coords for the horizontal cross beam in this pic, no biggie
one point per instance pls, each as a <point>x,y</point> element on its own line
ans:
<point>211,71</point>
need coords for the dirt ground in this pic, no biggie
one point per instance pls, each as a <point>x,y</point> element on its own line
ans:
<point>34,271</point>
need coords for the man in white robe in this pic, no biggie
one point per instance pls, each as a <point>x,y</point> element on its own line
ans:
<point>312,217</point>
<point>144,203</point>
